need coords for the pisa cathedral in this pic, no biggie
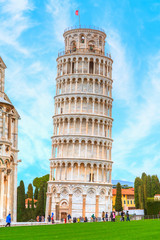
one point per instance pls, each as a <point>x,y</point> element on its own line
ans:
<point>8,152</point>
<point>81,161</point>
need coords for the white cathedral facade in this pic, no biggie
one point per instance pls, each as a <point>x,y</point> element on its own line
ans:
<point>8,152</point>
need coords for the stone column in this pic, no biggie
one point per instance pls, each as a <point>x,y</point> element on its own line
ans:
<point>88,66</point>
<point>93,127</point>
<point>81,105</point>
<point>78,171</point>
<point>91,173</point>
<point>69,105</point>
<point>102,173</point>
<point>84,206</point>
<point>2,194</point>
<point>82,66</point>
<point>94,66</point>
<point>97,150</point>
<point>15,194</point>
<point>97,173</point>
<point>110,172</point>
<point>70,204</point>
<point>76,85</point>
<point>97,206</point>
<point>65,172</point>
<point>9,126</point>
<point>71,171</point>
<point>103,69</point>
<point>85,173</point>
<point>3,122</point>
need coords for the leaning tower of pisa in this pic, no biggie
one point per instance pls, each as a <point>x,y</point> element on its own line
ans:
<point>81,163</point>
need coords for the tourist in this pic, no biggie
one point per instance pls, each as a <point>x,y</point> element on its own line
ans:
<point>122,216</point>
<point>69,218</point>
<point>106,217</point>
<point>93,217</point>
<point>37,218</point>
<point>52,218</point>
<point>111,216</point>
<point>42,218</point>
<point>127,215</point>
<point>8,220</point>
<point>49,218</point>
<point>103,216</point>
<point>114,217</point>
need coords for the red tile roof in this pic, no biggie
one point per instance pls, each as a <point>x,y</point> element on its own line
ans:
<point>129,191</point>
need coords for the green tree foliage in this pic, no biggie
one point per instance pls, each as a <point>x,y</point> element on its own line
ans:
<point>28,204</point>
<point>118,202</point>
<point>155,185</point>
<point>149,186</point>
<point>145,187</point>
<point>137,190</point>
<point>20,202</point>
<point>32,204</point>
<point>36,193</point>
<point>30,191</point>
<point>40,205</point>
<point>38,182</point>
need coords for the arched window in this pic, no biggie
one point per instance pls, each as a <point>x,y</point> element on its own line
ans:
<point>100,41</point>
<point>82,39</point>
<point>73,45</point>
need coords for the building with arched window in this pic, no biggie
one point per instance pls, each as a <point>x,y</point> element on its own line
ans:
<point>8,152</point>
<point>81,162</point>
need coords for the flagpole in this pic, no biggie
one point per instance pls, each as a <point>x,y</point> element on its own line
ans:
<point>79,16</point>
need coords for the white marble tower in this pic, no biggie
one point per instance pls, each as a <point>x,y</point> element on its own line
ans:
<point>81,163</point>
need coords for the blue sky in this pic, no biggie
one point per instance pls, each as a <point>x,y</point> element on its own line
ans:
<point>31,33</point>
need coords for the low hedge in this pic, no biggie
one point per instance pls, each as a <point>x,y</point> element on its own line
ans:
<point>153,207</point>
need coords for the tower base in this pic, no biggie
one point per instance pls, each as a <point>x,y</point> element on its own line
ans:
<point>78,199</point>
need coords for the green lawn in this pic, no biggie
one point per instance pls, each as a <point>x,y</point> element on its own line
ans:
<point>144,229</point>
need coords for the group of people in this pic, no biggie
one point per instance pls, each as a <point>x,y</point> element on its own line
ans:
<point>40,219</point>
<point>51,218</point>
<point>123,215</point>
<point>113,216</point>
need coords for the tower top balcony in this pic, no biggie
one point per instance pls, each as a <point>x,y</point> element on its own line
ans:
<point>84,39</point>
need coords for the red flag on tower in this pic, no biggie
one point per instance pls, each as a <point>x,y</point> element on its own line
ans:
<point>77,12</point>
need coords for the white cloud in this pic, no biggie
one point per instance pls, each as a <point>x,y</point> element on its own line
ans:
<point>14,22</point>
<point>61,12</point>
<point>141,124</point>
<point>123,86</point>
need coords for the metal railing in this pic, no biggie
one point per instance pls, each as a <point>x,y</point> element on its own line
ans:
<point>83,50</point>
<point>84,26</point>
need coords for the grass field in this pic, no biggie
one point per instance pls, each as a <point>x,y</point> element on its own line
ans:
<point>144,229</point>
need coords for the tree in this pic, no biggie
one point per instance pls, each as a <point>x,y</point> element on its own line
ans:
<point>40,203</point>
<point>32,204</point>
<point>155,185</point>
<point>137,192</point>
<point>30,191</point>
<point>144,190</point>
<point>36,193</point>
<point>118,202</point>
<point>20,202</point>
<point>28,204</point>
<point>149,186</point>
<point>38,182</point>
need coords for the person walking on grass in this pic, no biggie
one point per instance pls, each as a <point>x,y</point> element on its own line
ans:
<point>8,220</point>
<point>103,216</point>
<point>127,215</point>
<point>106,217</point>
<point>122,216</point>
<point>111,216</point>
<point>114,216</point>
